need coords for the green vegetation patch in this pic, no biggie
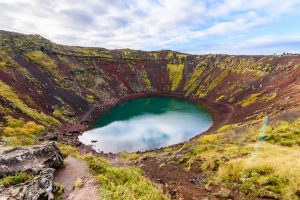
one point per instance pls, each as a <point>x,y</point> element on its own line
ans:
<point>17,132</point>
<point>211,82</point>
<point>130,156</point>
<point>8,94</point>
<point>218,80</point>
<point>146,79</point>
<point>175,74</point>
<point>40,58</point>
<point>6,60</point>
<point>284,133</point>
<point>251,99</point>
<point>260,162</point>
<point>117,183</point>
<point>192,82</point>
<point>64,113</point>
<point>257,176</point>
<point>245,160</point>
<point>15,179</point>
<point>227,127</point>
<point>257,97</point>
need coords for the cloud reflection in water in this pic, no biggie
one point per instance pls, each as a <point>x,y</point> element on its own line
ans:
<point>147,131</point>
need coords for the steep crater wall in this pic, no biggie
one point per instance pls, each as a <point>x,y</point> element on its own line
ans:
<point>57,85</point>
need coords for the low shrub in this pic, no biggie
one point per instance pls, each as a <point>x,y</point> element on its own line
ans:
<point>17,132</point>
<point>15,179</point>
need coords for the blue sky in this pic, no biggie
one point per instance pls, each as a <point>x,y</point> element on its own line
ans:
<point>192,26</point>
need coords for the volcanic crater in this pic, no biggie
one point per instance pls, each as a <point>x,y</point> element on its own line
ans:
<point>66,88</point>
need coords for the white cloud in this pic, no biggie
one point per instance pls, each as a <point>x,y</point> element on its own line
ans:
<point>140,24</point>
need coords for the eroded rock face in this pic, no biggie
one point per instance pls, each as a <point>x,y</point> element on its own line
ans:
<point>39,160</point>
<point>29,159</point>
<point>39,188</point>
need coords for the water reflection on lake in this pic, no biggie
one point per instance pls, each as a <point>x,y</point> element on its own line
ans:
<point>148,123</point>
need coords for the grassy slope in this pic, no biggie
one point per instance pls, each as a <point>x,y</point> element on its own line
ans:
<point>117,183</point>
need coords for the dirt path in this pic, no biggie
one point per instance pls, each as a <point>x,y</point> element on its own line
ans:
<point>72,170</point>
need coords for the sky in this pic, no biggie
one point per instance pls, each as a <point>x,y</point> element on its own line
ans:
<point>190,26</point>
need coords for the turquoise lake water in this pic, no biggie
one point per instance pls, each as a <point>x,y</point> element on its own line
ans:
<point>147,123</point>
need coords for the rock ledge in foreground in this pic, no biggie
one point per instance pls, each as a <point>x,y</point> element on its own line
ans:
<point>39,160</point>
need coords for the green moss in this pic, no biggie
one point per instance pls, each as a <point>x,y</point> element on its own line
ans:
<point>217,80</point>
<point>5,111</point>
<point>126,53</point>
<point>227,127</point>
<point>61,113</point>
<point>130,156</point>
<point>256,181</point>
<point>6,61</point>
<point>284,133</point>
<point>208,138</point>
<point>90,99</point>
<point>39,58</point>
<point>220,98</point>
<point>77,183</point>
<point>170,55</point>
<point>251,99</point>
<point>146,79</point>
<point>192,82</point>
<point>241,65</point>
<point>175,74</point>
<point>8,94</point>
<point>268,97</point>
<point>266,68</point>
<point>59,191</point>
<point>257,97</point>
<point>18,133</point>
<point>233,86</point>
<point>154,55</point>
<point>210,82</point>
<point>15,179</point>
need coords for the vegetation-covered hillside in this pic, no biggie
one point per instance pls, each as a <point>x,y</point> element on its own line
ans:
<point>251,151</point>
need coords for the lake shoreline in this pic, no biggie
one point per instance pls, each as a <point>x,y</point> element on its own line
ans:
<point>221,114</point>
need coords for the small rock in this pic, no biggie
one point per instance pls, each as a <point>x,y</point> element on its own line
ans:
<point>52,136</point>
<point>281,108</point>
<point>224,159</point>
<point>77,143</point>
<point>197,180</point>
<point>207,187</point>
<point>144,158</point>
<point>223,193</point>
<point>68,134</point>
<point>69,114</point>
<point>94,141</point>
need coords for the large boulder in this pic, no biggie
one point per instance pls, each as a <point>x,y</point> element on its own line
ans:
<point>29,159</point>
<point>38,188</point>
<point>39,160</point>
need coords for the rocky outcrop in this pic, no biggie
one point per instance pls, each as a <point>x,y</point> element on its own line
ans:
<point>39,160</point>
<point>29,159</point>
<point>39,187</point>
